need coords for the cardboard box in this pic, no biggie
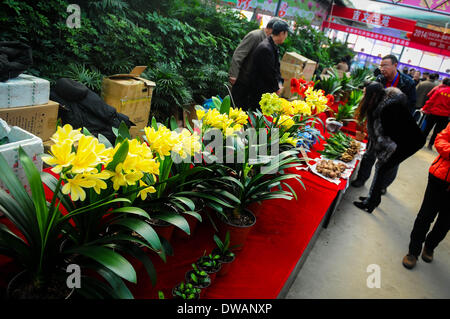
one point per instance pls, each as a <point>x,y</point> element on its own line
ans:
<point>294,58</point>
<point>289,71</point>
<point>31,144</point>
<point>294,65</point>
<point>24,90</point>
<point>39,120</point>
<point>131,95</point>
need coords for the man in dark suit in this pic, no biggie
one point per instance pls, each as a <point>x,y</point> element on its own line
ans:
<point>242,62</point>
<point>265,76</point>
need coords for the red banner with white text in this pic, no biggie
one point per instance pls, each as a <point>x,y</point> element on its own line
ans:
<point>373,18</point>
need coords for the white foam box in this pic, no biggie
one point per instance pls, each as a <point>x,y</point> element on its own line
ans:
<point>30,143</point>
<point>24,90</point>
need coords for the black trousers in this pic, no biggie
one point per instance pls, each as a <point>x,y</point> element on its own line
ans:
<point>435,202</point>
<point>438,122</point>
<point>365,169</point>
<point>240,92</point>
<point>384,173</point>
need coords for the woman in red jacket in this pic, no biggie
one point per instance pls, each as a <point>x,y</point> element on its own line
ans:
<point>436,202</point>
<point>437,109</point>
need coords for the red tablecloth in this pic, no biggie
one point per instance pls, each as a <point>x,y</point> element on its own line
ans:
<point>274,246</point>
<point>277,241</point>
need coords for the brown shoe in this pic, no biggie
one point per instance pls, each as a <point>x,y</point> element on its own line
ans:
<point>427,255</point>
<point>409,261</point>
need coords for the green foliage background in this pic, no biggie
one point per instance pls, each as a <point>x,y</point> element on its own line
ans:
<point>187,45</point>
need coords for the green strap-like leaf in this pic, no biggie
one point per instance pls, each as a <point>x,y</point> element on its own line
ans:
<point>143,229</point>
<point>110,259</point>
<point>123,131</point>
<point>119,157</point>
<point>130,210</point>
<point>37,191</point>
<point>225,106</point>
<point>175,219</point>
<point>116,283</point>
<point>146,261</point>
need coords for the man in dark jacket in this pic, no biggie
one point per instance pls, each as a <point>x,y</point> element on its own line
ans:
<point>390,77</point>
<point>242,61</point>
<point>265,76</point>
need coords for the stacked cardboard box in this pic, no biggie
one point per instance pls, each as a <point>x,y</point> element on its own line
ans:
<point>294,65</point>
<point>24,102</point>
<point>131,95</point>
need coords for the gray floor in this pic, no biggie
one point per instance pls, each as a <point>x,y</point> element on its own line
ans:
<point>337,265</point>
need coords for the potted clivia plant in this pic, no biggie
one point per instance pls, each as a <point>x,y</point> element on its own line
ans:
<point>87,221</point>
<point>198,278</point>
<point>233,187</point>
<point>210,264</point>
<point>186,291</point>
<point>226,256</point>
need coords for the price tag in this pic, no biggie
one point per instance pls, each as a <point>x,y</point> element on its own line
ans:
<point>305,156</point>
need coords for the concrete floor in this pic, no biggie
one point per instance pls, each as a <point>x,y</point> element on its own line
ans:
<point>354,239</point>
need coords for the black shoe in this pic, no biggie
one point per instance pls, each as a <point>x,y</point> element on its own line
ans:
<point>357,183</point>
<point>366,207</point>
<point>383,191</point>
<point>362,198</point>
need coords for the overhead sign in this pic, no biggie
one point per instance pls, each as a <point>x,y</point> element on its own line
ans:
<point>373,18</point>
<point>365,33</point>
<point>431,38</point>
<point>382,37</point>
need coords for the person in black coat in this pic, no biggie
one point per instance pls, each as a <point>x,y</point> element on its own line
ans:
<point>265,76</point>
<point>394,134</point>
<point>390,77</point>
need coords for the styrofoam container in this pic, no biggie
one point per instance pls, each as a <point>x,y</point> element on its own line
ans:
<point>31,144</point>
<point>24,90</point>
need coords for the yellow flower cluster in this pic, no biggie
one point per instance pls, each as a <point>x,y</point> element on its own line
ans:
<point>81,161</point>
<point>164,141</point>
<point>272,105</point>
<point>286,121</point>
<point>316,100</point>
<point>288,139</point>
<point>228,123</point>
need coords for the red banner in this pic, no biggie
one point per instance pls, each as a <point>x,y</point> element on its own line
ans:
<point>386,38</point>
<point>431,38</point>
<point>373,18</point>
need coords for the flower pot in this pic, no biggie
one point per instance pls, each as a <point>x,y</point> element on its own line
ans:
<point>192,221</point>
<point>187,278</point>
<point>162,228</point>
<point>238,232</point>
<point>226,264</point>
<point>177,297</point>
<point>211,273</point>
<point>19,288</point>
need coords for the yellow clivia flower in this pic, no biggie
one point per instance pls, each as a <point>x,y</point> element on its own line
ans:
<point>301,108</point>
<point>66,133</point>
<point>148,190</point>
<point>99,179</point>
<point>238,116</point>
<point>75,186</point>
<point>86,158</point>
<point>200,113</point>
<point>286,107</point>
<point>286,121</point>
<point>162,140</point>
<point>61,156</point>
